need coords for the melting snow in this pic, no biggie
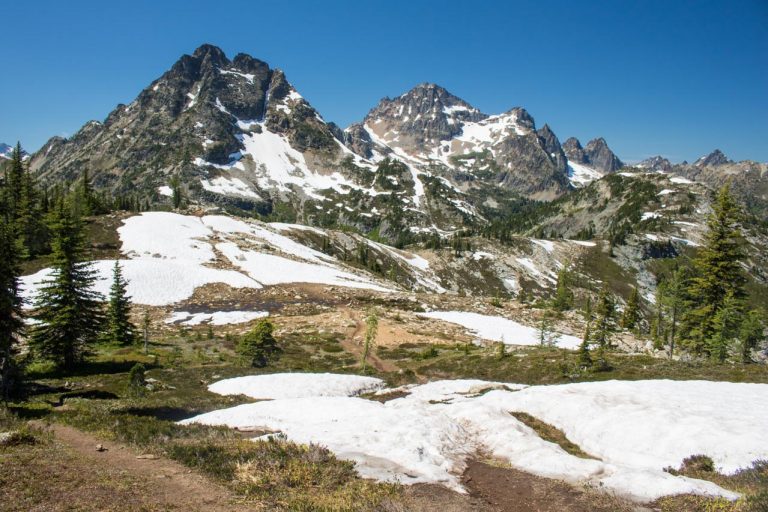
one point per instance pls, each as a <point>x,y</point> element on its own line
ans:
<point>496,328</point>
<point>636,428</point>
<point>229,187</point>
<point>580,175</point>
<point>215,318</point>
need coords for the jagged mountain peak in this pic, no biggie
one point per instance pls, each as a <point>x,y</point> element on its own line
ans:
<point>656,163</point>
<point>596,154</point>
<point>716,157</point>
<point>6,151</point>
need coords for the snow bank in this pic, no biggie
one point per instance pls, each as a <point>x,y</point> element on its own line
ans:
<point>497,328</point>
<point>636,428</point>
<point>170,255</point>
<point>215,318</point>
<point>296,385</point>
<point>154,282</point>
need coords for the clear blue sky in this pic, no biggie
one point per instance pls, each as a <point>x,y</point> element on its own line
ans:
<point>676,78</point>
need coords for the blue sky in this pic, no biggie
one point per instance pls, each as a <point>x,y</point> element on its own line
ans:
<point>677,78</point>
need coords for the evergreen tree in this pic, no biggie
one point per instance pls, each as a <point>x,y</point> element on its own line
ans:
<point>176,196</point>
<point>725,328</point>
<point>563,299</point>
<point>585,359</point>
<point>631,315</point>
<point>604,322</point>
<point>68,310</point>
<point>547,336</point>
<point>258,345</point>
<point>119,327</point>
<point>672,300</point>
<point>717,274</point>
<point>11,313</point>
<point>14,183</point>
<point>371,331</point>
<point>751,334</point>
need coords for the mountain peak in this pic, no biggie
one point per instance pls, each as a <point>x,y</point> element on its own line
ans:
<point>595,154</point>
<point>209,50</point>
<point>716,157</point>
<point>656,163</point>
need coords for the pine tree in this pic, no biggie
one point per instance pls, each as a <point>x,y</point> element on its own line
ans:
<point>14,183</point>
<point>585,359</point>
<point>563,299</point>
<point>632,312</point>
<point>751,334</point>
<point>68,310</point>
<point>604,322</point>
<point>120,330</point>
<point>258,345</point>
<point>725,328</point>
<point>371,331</point>
<point>717,273</point>
<point>546,335</point>
<point>672,300</point>
<point>11,313</point>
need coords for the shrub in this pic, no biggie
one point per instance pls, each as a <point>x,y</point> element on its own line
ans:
<point>259,346</point>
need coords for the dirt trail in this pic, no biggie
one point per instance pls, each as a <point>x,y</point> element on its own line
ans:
<point>352,343</point>
<point>172,485</point>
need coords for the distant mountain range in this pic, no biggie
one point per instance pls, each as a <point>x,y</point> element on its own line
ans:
<point>238,135</point>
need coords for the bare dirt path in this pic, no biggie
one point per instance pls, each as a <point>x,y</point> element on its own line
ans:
<point>171,486</point>
<point>352,343</point>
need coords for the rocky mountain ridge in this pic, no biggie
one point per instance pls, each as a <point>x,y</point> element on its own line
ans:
<point>237,134</point>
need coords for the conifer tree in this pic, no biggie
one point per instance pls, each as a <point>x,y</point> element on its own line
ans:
<point>11,313</point>
<point>563,295</point>
<point>371,331</point>
<point>725,328</point>
<point>717,274</point>
<point>258,345</point>
<point>631,314</point>
<point>604,322</point>
<point>14,183</point>
<point>120,330</point>
<point>585,359</point>
<point>672,300</point>
<point>751,334</point>
<point>68,310</point>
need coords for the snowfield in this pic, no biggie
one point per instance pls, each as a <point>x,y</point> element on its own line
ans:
<point>170,255</point>
<point>296,385</point>
<point>635,429</point>
<point>497,328</point>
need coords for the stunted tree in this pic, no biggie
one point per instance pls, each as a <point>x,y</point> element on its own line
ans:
<point>120,330</point>
<point>631,315</point>
<point>751,334</point>
<point>585,358</point>
<point>371,331</point>
<point>11,313</point>
<point>563,299</point>
<point>68,309</point>
<point>717,275</point>
<point>605,324</point>
<point>545,332</point>
<point>672,301</point>
<point>259,345</point>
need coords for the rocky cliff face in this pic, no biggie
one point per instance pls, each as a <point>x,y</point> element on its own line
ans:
<point>441,135</point>
<point>713,159</point>
<point>596,155</point>
<point>656,163</point>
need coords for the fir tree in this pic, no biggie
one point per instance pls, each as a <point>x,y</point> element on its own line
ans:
<point>672,300</point>
<point>563,299</point>
<point>725,328</point>
<point>258,345</point>
<point>585,359</point>
<point>11,313</point>
<point>371,331</point>
<point>604,322</point>
<point>632,312</point>
<point>546,335</point>
<point>120,330</point>
<point>751,334</point>
<point>717,274</point>
<point>68,310</point>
